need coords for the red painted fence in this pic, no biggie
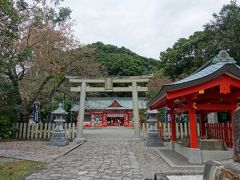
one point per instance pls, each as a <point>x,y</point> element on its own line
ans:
<point>220,131</point>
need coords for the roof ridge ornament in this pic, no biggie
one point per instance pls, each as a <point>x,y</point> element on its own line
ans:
<point>223,56</point>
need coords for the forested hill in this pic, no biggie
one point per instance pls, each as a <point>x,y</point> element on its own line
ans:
<point>122,61</point>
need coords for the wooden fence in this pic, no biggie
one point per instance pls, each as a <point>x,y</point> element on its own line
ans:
<point>41,130</point>
<point>182,129</point>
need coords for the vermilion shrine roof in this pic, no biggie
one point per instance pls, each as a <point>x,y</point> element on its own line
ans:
<point>219,65</point>
<point>115,103</point>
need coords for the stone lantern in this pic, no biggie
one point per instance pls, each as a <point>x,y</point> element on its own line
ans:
<point>153,137</point>
<point>58,137</point>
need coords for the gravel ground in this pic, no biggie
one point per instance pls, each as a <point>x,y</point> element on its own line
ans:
<point>33,150</point>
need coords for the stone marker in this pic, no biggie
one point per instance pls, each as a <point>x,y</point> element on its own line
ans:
<point>236,135</point>
<point>227,169</point>
<point>231,172</point>
<point>212,170</point>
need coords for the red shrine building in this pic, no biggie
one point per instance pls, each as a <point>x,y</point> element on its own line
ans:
<point>108,111</point>
<point>215,87</point>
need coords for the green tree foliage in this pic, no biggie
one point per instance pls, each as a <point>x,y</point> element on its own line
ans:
<point>23,26</point>
<point>122,61</point>
<point>188,54</point>
<point>226,29</point>
<point>156,83</point>
<point>8,109</point>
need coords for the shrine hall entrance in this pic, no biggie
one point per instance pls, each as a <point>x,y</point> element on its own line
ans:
<point>115,121</point>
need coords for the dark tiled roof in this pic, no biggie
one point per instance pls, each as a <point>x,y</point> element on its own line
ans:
<point>105,103</point>
<point>205,72</point>
<point>215,64</point>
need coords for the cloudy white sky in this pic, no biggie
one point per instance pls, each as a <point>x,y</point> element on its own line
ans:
<point>146,27</point>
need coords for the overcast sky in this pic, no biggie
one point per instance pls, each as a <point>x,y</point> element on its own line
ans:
<point>146,27</point>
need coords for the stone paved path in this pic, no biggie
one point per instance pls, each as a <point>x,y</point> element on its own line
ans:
<point>33,150</point>
<point>108,154</point>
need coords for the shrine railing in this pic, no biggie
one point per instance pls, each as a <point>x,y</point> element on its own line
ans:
<point>221,131</point>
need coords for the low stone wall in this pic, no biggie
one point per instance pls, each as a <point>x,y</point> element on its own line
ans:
<point>183,150</point>
<point>216,155</point>
<point>197,156</point>
<point>192,154</point>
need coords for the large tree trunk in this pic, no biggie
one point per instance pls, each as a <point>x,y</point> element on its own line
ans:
<point>18,99</point>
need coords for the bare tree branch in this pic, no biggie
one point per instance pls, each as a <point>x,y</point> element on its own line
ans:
<point>38,92</point>
<point>52,92</point>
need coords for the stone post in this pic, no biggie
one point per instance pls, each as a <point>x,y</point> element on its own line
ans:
<point>236,135</point>
<point>153,138</point>
<point>81,112</point>
<point>135,110</point>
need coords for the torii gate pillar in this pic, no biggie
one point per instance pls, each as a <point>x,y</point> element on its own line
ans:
<point>80,123</point>
<point>135,110</point>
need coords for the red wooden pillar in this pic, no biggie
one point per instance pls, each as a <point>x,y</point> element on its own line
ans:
<point>126,120</point>
<point>202,125</point>
<point>173,126</point>
<point>104,122</point>
<point>193,129</point>
<point>128,117</point>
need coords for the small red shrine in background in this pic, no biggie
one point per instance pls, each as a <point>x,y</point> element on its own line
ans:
<point>215,87</point>
<point>109,111</point>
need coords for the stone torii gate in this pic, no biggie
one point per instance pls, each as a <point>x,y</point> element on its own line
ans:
<point>108,87</point>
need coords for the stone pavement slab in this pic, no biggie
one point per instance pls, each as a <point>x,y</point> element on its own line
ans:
<point>109,133</point>
<point>190,177</point>
<point>151,162</point>
<point>175,159</point>
<point>33,150</point>
<point>95,159</point>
